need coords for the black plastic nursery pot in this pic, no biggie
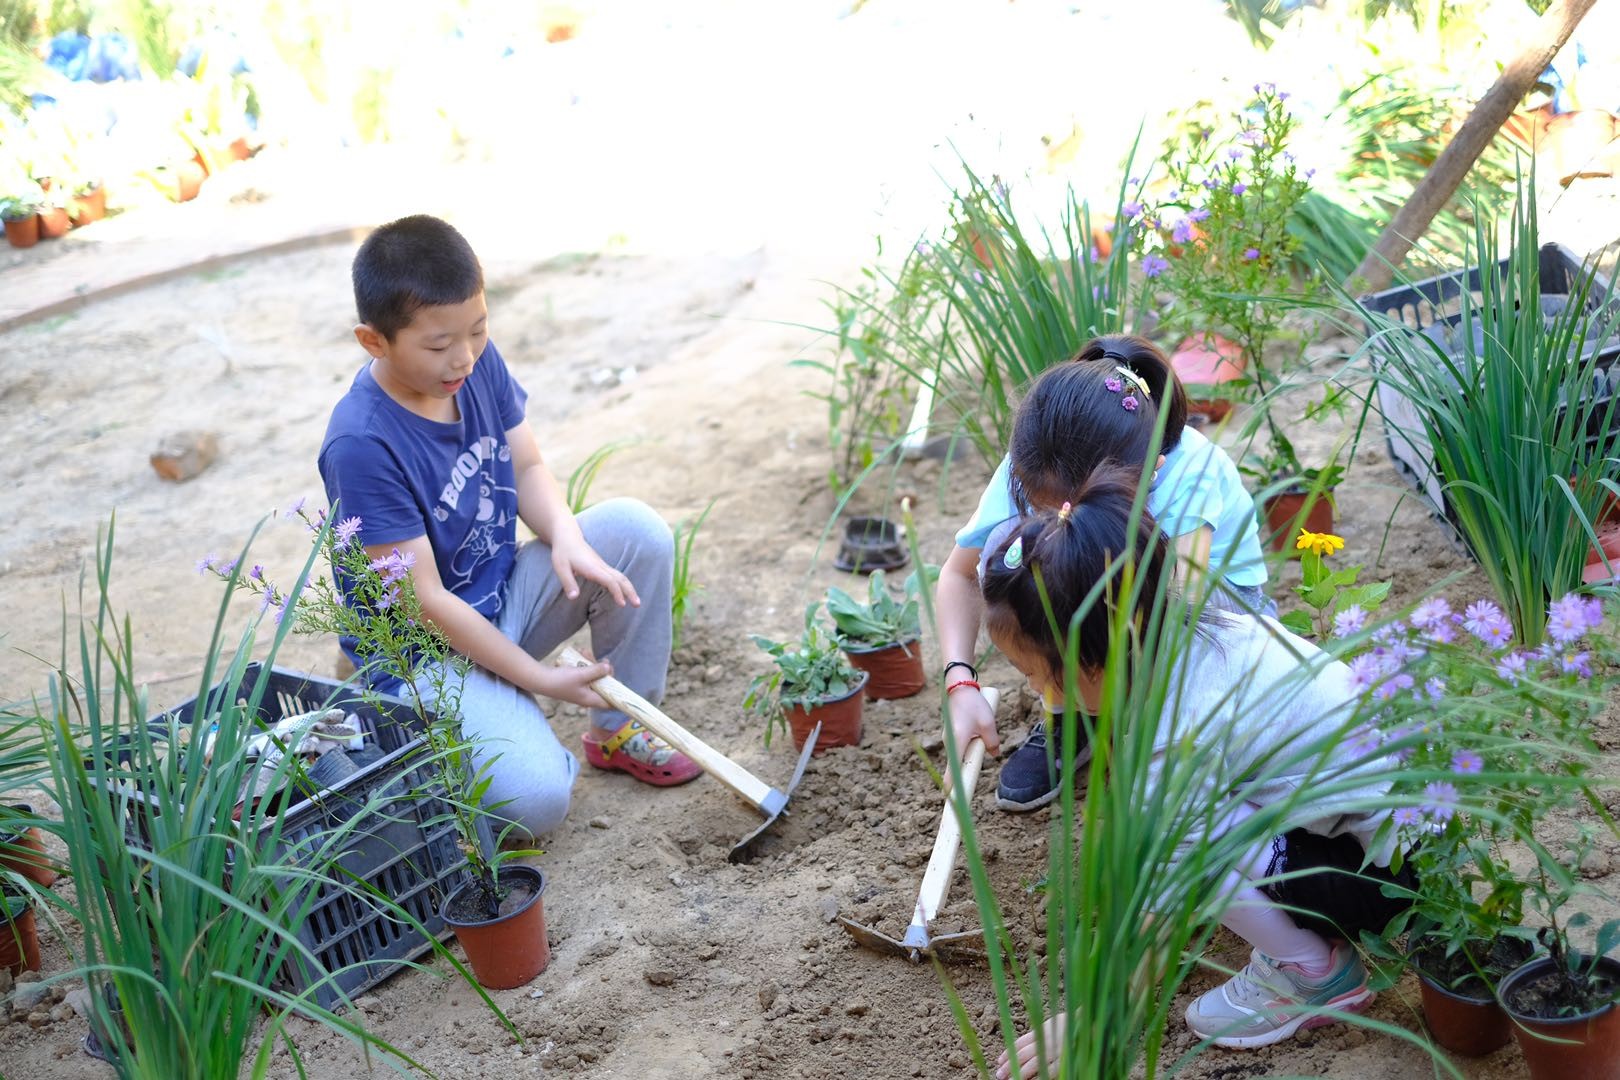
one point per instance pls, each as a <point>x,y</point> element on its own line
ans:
<point>840,720</point>
<point>871,543</point>
<point>510,949</point>
<point>1585,1046</point>
<point>896,671</point>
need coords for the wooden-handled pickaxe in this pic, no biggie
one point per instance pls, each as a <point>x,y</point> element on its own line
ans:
<point>936,880</point>
<point>764,798</point>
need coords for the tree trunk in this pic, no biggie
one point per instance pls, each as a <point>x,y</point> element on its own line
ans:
<point>1443,179</point>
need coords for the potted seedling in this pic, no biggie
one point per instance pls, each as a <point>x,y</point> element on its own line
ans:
<point>1293,497</point>
<point>881,636</point>
<point>1563,1005</point>
<point>20,213</point>
<point>89,202</point>
<point>497,913</point>
<point>54,221</point>
<point>19,938</point>
<point>812,683</point>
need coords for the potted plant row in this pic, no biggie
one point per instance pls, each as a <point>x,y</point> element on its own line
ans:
<point>882,637</point>
<point>812,683</point>
<point>1515,723</point>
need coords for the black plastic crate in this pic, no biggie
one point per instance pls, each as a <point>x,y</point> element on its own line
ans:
<point>1437,303</point>
<point>406,849</point>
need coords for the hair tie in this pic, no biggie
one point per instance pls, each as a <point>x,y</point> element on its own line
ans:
<point>1015,554</point>
<point>1063,513</point>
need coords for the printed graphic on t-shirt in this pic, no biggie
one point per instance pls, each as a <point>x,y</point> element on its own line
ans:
<point>493,524</point>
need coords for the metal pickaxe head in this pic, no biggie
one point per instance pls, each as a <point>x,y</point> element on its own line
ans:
<point>965,947</point>
<point>775,803</point>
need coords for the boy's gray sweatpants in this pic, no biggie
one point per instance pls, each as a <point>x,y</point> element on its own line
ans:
<point>532,774</point>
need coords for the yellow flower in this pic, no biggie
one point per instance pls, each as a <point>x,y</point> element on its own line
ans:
<point>1321,543</point>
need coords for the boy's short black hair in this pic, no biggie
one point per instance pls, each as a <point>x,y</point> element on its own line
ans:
<point>417,261</point>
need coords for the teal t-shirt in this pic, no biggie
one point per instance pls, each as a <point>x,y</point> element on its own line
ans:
<point>1198,485</point>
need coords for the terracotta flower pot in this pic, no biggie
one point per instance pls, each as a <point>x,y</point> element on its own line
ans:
<point>23,852</point>
<point>1460,1011</point>
<point>1203,362</point>
<point>1466,1025</point>
<point>88,208</point>
<point>19,937</point>
<point>54,222</point>
<point>1581,1047</point>
<point>1577,145</point>
<point>840,720</point>
<point>239,150</point>
<point>1608,544</point>
<point>189,177</point>
<point>1283,517</point>
<point>896,670</point>
<point>23,232</point>
<point>508,950</point>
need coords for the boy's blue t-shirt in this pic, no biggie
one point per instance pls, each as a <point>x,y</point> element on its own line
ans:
<point>406,476</point>
<point>1198,485</point>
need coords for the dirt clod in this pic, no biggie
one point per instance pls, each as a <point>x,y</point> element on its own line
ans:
<point>660,977</point>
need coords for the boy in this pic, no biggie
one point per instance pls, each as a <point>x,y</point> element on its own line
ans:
<point>430,450</point>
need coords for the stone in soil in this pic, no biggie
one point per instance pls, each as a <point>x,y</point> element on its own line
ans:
<point>28,997</point>
<point>661,977</point>
<point>515,898</point>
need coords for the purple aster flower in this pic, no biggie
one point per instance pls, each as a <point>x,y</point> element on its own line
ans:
<point>266,600</point>
<point>1403,652</point>
<point>1594,612</point>
<point>1467,762</point>
<point>1442,634</point>
<point>226,569</point>
<point>206,563</point>
<point>1364,741</point>
<point>1183,231</point>
<point>1239,188</point>
<point>1442,802</point>
<point>1234,153</point>
<point>1200,214</point>
<point>1435,687</point>
<point>1430,613</point>
<point>1094,256</point>
<point>1352,620</point>
<point>1401,734</point>
<point>1283,95</point>
<point>1251,254</point>
<point>278,610</point>
<point>1364,672</point>
<point>1128,402</point>
<point>1175,193</point>
<point>1479,613</point>
<point>1390,633</point>
<point>1393,685</point>
<point>1153,266</point>
<point>978,278</point>
<point>1566,619</point>
<point>387,599</point>
<point>1576,664</point>
<point>1309,173</point>
<point>1511,666</point>
<point>1113,385</point>
<point>924,248</point>
<point>1210,184</point>
<point>1252,137</point>
<point>295,509</point>
<point>257,573</point>
<point>1135,181</point>
<point>1131,210</point>
<point>1409,816</point>
<point>346,530</point>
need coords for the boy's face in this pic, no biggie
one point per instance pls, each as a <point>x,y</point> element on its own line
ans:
<point>430,359</point>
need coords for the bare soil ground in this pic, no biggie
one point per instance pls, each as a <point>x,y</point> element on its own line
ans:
<point>668,961</point>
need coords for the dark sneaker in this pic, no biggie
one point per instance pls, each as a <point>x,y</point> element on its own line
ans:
<point>1028,779</point>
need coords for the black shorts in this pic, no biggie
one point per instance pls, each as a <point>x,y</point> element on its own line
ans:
<point>1339,900</point>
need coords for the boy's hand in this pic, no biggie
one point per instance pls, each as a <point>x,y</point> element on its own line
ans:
<point>972,718</point>
<point>573,684</point>
<point>572,558</point>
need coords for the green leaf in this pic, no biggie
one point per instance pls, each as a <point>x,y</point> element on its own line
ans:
<point>1298,622</point>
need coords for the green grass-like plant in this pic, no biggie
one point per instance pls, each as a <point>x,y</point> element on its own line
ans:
<point>684,588</point>
<point>1520,420</point>
<point>578,490</point>
<point>186,919</point>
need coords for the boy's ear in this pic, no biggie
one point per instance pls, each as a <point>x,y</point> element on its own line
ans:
<point>371,341</point>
